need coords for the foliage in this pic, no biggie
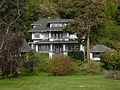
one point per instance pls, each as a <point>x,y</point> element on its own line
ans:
<point>10,60</point>
<point>78,55</point>
<point>44,59</point>
<point>33,61</point>
<point>30,62</point>
<point>111,60</point>
<point>65,9</point>
<point>61,65</point>
<point>89,18</point>
<point>9,11</point>
<point>91,68</point>
<point>114,75</point>
<point>88,13</point>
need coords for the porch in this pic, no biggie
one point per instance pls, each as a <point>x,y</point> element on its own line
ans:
<point>56,48</point>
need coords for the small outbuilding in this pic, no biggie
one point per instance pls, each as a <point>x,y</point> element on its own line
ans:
<point>97,50</point>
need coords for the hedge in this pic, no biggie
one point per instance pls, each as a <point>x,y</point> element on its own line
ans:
<point>78,55</point>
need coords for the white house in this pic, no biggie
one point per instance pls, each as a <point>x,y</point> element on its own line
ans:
<point>48,36</point>
<point>97,50</point>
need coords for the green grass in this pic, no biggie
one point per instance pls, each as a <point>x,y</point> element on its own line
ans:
<point>87,82</point>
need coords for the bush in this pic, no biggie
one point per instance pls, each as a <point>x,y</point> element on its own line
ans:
<point>42,67</point>
<point>111,60</point>
<point>91,68</point>
<point>61,65</point>
<point>32,62</point>
<point>114,75</point>
<point>78,55</point>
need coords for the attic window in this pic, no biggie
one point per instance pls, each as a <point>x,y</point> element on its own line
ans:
<point>58,25</point>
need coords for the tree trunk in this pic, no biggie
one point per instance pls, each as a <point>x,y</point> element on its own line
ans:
<point>88,45</point>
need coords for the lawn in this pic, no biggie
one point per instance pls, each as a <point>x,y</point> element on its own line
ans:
<point>87,82</point>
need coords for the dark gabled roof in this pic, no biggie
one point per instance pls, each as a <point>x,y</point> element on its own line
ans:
<point>41,22</point>
<point>25,47</point>
<point>45,21</point>
<point>60,20</point>
<point>101,48</point>
<point>42,25</point>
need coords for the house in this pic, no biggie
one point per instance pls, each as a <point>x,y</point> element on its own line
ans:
<point>48,37</point>
<point>97,50</point>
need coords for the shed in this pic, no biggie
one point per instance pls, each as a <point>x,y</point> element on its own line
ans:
<point>96,50</point>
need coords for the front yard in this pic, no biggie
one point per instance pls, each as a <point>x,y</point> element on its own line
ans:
<point>43,82</point>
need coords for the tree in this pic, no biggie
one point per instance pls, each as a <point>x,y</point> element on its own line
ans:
<point>10,56</point>
<point>111,60</point>
<point>9,11</point>
<point>118,15</point>
<point>65,9</point>
<point>89,18</point>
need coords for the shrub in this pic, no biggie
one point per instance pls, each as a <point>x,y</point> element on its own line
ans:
<point>32,61</point>
<point>42,67</point>
<point>111,60</point>
<point>114,75</point>
<point>78,55</point>
<point>61,65</point>
<point>91,68</point>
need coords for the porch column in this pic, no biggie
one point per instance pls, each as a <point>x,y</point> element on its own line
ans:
<point>32,46</point>
<point>91,56</point>
<point>49,35</point>
<point>64,50</point>
<point>51,51</point>
<point>67,34</point>
<point>51,48</point>
<point>81,46</point>
<point>36,47</point>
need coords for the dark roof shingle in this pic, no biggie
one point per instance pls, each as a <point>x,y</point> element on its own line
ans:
<point>101,48</point>
<point>42,25</point>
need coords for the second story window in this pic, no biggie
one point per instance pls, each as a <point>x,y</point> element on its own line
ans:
<point>57,35</point>
<point>37,35</point>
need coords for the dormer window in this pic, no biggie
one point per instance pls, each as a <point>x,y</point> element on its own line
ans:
<point>58,24</point>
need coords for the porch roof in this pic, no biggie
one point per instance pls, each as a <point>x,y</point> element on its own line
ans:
<point>54,42</point>
<point>45,29</point>
<point>101,48</point>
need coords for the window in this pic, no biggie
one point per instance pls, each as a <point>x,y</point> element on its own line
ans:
<point>37,35</point>
<point>44,48</point>
<point>96,55</point>
<point>58,25</point>
<point>45,35</point>
<point>73,47</point>
<point>57,35</point>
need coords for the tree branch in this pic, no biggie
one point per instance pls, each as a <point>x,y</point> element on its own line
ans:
<point>8,28</point>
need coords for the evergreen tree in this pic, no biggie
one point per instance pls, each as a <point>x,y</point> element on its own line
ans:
<point>89,18</point>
